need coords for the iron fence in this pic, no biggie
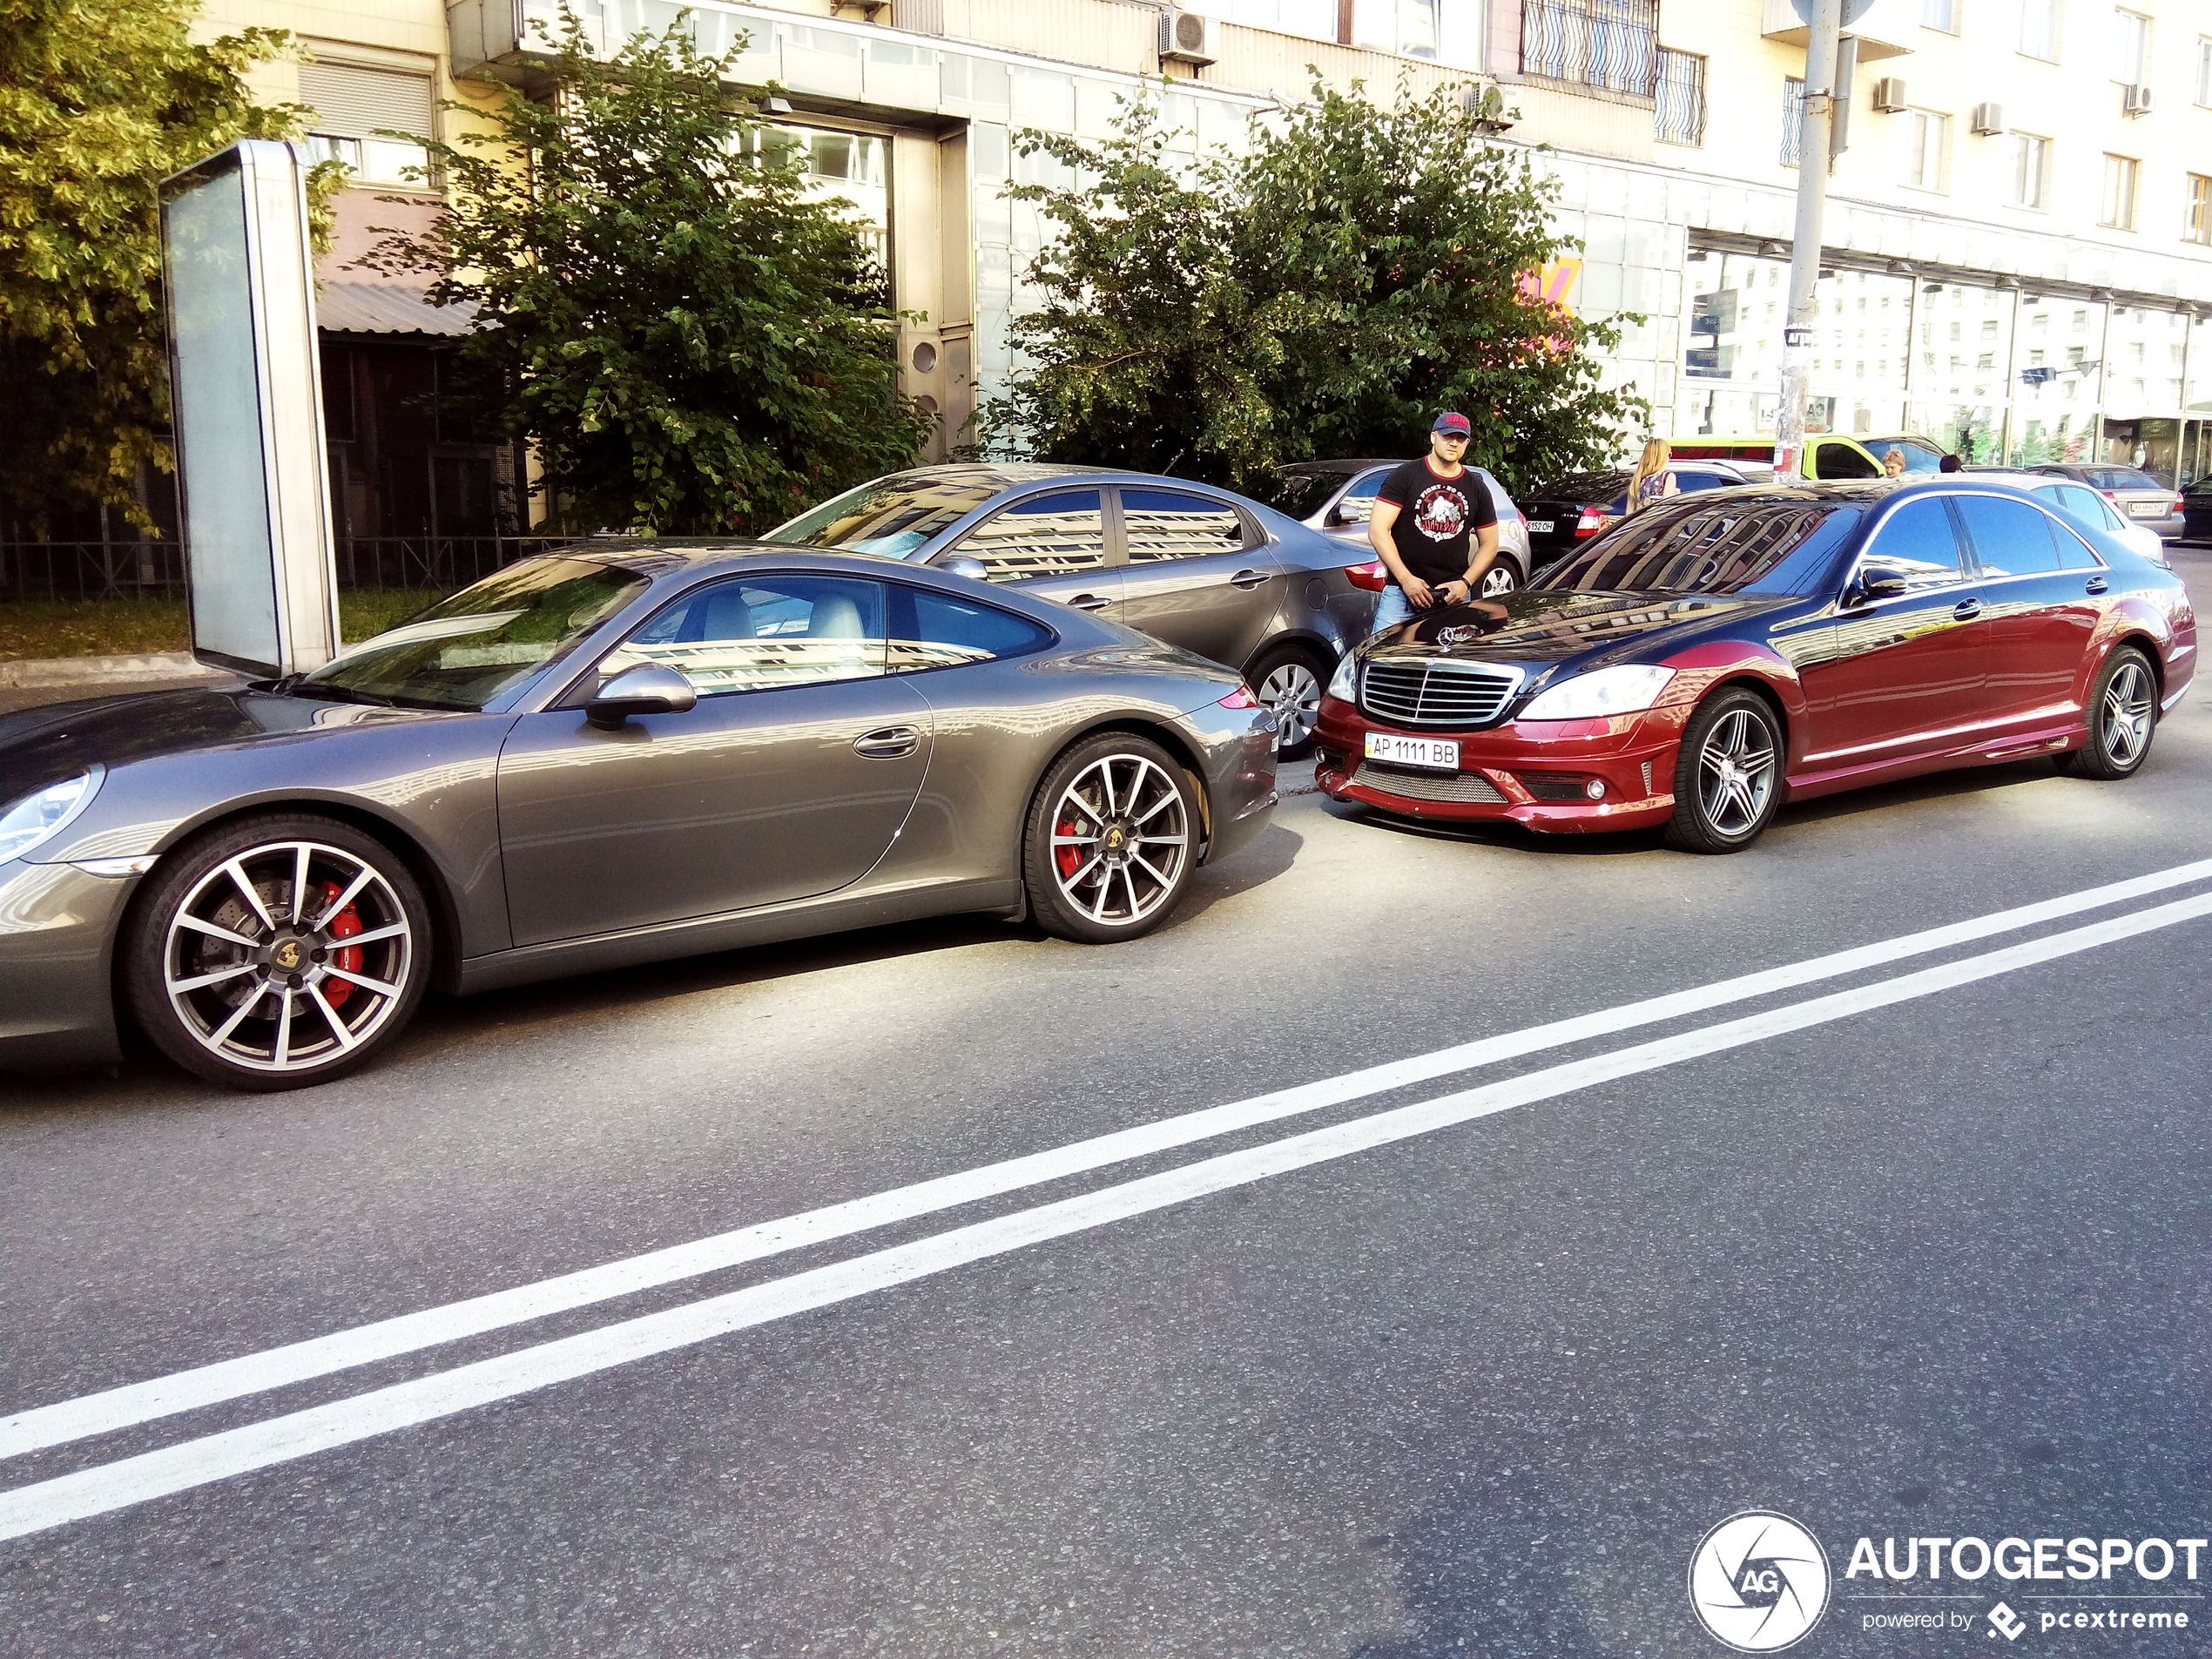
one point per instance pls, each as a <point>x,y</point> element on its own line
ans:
<point>148,569</point>
<point>1609,45</point>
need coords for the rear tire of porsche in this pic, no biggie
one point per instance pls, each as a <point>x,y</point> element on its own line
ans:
<point>1112,840</point>
<point>1728,774</point>
<point>276,952</point>
<point>2122,716</point>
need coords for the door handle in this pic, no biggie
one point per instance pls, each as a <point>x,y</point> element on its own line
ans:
<point>2097,584</point>
<point>888,743</point>
<point>1247,579</point>
<point>1966,609</point>
<point>1088,602</point>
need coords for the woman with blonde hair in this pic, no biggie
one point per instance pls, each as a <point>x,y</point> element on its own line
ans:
<point>1652,482</point>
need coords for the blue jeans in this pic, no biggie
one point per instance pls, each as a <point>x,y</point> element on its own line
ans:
<point>1392,607</point>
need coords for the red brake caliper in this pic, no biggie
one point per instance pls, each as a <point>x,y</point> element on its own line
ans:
<point>1068,857</point>
<point>344,925</point>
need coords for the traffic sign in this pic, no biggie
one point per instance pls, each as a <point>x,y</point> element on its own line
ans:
<point>1853,10</point>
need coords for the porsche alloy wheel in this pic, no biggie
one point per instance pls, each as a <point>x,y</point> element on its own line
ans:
<point>277,953</point>
<point>1111,840</point>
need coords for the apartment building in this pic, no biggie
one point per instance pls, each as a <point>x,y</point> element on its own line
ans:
<point>2019,249</point>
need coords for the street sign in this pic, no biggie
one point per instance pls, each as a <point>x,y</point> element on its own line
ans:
<point>246,391</point>
<point>2038,376</point>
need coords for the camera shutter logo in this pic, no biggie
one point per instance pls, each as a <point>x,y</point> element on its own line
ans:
<point>1759,1582</point>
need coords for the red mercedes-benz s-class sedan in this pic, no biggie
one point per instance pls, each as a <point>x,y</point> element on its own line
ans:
<point>1710,657</point>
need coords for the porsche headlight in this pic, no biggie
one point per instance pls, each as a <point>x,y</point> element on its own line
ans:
<point>25,823</point>
<point>1594,696</point>
<point>1344,685</point>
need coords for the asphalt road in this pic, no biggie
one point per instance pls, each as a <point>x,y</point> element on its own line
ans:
<point>1930,1259</point>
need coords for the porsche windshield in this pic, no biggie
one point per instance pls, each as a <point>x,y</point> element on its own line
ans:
<point>1736,546</point>
<point>465,650</point>
<point>890,517</point>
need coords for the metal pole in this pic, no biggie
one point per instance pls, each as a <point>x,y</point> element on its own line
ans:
<point>1805,249</point>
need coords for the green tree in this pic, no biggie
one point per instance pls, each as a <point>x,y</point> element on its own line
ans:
<point>688,342</point>
<point>99,99</point>
<point>1323,295</point>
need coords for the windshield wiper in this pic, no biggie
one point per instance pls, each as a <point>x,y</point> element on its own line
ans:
<point>335,694</point>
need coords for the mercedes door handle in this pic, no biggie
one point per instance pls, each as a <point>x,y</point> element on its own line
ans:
<point>1248,579</point>
<point>1966,609</point>
<point>888,743</point>
<point>2097,584</point>
<point>1088,602</point>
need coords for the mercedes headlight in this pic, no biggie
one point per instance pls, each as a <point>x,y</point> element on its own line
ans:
<point>1343,685</point>
<point>27,822</point>
<point>1594,696</point>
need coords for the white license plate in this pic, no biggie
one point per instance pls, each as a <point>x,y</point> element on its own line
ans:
<point>1437,753</point>
<point>2148,508</point>
<point>1539,527</point>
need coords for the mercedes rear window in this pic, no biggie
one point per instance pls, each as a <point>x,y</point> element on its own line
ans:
<point>1704,547</point>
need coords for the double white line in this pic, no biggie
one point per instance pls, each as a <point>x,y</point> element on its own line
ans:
<point>106,1487</point>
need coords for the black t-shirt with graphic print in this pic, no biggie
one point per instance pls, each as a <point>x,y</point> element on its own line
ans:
<point>1435,517</point>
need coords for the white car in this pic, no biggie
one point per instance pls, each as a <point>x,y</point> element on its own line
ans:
<point>2084,505</point>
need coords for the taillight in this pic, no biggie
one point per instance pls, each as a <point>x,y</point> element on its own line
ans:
<point>1593,520</point>
<point>1242,697</point>
<point>2180,506</point>
<point>2108,494</point>
<point>1370,576</point>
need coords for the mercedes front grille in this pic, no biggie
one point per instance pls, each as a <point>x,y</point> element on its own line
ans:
<point>1443,695</point>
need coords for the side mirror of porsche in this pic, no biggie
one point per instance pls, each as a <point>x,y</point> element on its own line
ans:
<point>965,564</point>
<point>650,688</point>
<point>1874,582</point>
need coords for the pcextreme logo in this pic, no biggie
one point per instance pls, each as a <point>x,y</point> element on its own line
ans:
<point>1759,1582</point>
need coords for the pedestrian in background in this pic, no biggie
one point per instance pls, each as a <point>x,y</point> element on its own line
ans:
<point>1893,463</point>
<point>1434,529</point>
<point>1653,482</point>
<point>1950,463</point>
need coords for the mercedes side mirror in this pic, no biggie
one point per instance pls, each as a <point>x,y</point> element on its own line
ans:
<point>965,564</point>
<point>1874,582</point>
<point>650,688</point>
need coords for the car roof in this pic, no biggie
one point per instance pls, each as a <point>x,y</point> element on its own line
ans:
<point>661,556</point>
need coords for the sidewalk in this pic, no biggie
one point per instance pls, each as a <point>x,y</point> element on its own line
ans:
<point>32,682</point>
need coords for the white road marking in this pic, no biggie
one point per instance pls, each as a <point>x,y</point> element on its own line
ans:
<point>133,1403</point>
<point>106,1487</point>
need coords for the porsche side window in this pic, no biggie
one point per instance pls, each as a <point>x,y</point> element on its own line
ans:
<point>1168,524</point>
<point>1058,534</point>
<point>1917,541</point>
<point>759,633</point>
<point>2011,537</point>
<point>936,631</point>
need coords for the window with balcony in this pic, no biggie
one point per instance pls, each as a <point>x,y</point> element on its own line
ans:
<point>2130,47</point>
<point>1681,113</point>
<point>1607,45</point>
<point>1930,135</point>
<point>2197,227</point>
<point>2039,35</point>
<point>2031,170</point>
<point>2119,210</point>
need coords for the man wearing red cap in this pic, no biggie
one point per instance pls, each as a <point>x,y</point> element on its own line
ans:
<point>1434,529</point>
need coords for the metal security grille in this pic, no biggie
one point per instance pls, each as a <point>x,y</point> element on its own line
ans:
<point>1441,696</point>
<point>1426,785</point>
<point>1610,44</point>
<point>1680,118</point>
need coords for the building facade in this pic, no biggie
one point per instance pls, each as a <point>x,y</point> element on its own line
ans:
<point>2018,256</point>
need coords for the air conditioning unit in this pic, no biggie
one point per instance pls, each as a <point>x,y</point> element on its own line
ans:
<point>1188,37</point>
<point>2135,101</point>
<point>1989,119</point>
<point>1889,94</point>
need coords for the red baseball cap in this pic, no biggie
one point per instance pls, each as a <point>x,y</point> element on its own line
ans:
<point>1454,423</point>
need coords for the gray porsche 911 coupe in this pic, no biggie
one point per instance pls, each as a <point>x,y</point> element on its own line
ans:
<point>596,758</point>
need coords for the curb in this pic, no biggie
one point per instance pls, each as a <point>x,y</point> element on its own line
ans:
<point>36,673</point>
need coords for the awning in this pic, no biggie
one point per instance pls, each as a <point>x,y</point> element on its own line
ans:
<point>385,308</point>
